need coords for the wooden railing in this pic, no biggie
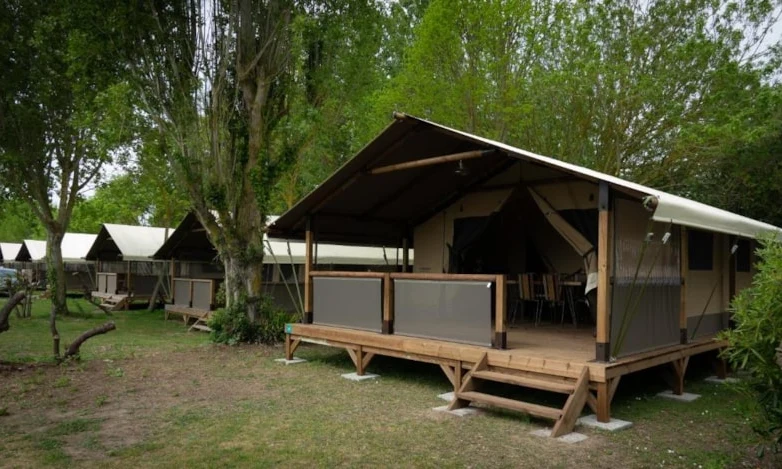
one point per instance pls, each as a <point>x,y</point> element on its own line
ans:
<point>194,293</point>
<point>451,288</point>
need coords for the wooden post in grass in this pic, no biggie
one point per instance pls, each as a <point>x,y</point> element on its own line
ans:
<point>603,342</point>
<point>308,304</point>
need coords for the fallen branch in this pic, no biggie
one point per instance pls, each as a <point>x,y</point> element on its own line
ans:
<point>8,307</point>
<point>73,349</point>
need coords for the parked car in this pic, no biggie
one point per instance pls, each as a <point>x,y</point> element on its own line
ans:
<point>7,279</point>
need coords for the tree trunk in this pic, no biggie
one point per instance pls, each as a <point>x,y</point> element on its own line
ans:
<point>8,307</point>
<point>243,283</point>
<point>55,272</point>
<point>55,277</point>
<point>73,349</point>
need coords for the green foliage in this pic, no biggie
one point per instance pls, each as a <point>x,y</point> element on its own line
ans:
<point>757,312</point>
<point>231,326</point>
<point>18,222</point>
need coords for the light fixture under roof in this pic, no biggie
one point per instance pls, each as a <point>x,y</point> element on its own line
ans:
<point>461,170</point>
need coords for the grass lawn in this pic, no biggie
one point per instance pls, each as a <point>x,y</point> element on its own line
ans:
<point>151,394</point>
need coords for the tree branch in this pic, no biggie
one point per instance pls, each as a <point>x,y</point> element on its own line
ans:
<point>8,307</point>
<point>73,349</point>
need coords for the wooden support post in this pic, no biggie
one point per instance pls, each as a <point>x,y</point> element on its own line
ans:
<point>603,402</point>
<point>679,370</point>
<point>307,274</point>
<point>171,280</point>
<point>684,268</point>
<point>190,298</point>
<point>388,304</point>
<point>501,312</point>
<point>731,270</point>
<point>603,337</point>
<point>405,254</point>
<point>720,367</point>
<point>288,351</point>
<point>458,376</point>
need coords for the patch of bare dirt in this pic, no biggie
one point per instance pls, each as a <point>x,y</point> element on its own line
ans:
<point>126,397</point>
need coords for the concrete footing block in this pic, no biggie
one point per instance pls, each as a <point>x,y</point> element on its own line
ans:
<point>684,397</point>
<point>446,396</point>
<point>356,377</point>
<point>715,380</point>
<point>463,412</point>
<point>290,362</point>
<point>571,437</point>
<point>613,425</point>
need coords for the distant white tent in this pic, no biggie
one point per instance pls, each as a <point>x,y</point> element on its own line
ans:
<point>32,250</point>
<point>134,243</point>
<point>9,251</point>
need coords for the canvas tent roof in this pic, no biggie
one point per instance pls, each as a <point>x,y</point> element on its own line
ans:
<point>9,251</point>
<point>356,206</point>
<point>32,250</point>
<point>75,246</point>
<point>127,242</point>
<point>189,242</point>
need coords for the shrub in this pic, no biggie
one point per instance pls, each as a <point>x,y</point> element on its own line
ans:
<point>231,325</point>
<point>757,312</point>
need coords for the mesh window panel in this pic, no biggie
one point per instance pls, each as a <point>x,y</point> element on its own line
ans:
<point>647,282</point>
<point>144,284</point>
<point>202,295</point>
<point>182,292</point>
<point>449,310</point>
<point>355,303</point>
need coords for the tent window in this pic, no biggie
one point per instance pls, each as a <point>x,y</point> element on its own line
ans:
<point>701,249</point>
<point>743,255</point>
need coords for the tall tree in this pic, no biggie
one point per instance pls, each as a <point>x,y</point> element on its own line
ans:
<point>605,84</point>
<point>60,92</point>
<point>231,86</point>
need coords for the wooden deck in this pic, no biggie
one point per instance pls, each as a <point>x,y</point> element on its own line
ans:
<point>547,353</point>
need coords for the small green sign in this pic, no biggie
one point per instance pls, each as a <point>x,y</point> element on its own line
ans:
<point>289,328</point>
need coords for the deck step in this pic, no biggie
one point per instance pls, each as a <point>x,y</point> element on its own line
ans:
<point>525,381</point>
<point>496,401</point>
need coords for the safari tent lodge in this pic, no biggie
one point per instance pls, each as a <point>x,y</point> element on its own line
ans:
<point>126,269</point>
<point>529,270</point>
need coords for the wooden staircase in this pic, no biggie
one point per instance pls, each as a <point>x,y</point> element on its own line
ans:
<point>114,302</point>
<point>564,418</point>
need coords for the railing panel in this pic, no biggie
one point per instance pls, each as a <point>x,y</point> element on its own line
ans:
<point>182,292</point>
<point>111,283</point>
<point>348,302</point>
<point>202,294</point>
<point>457,311</point>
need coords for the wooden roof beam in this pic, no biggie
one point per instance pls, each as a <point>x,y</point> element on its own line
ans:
<point>467,155</point>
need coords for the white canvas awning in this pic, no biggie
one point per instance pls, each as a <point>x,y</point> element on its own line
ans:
<point>331,254</point>
<point>9,251</point>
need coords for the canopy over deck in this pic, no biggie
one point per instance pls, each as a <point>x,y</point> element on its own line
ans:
<point>9,251</point>
<point>127,242</point>
<point>390,187</point>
